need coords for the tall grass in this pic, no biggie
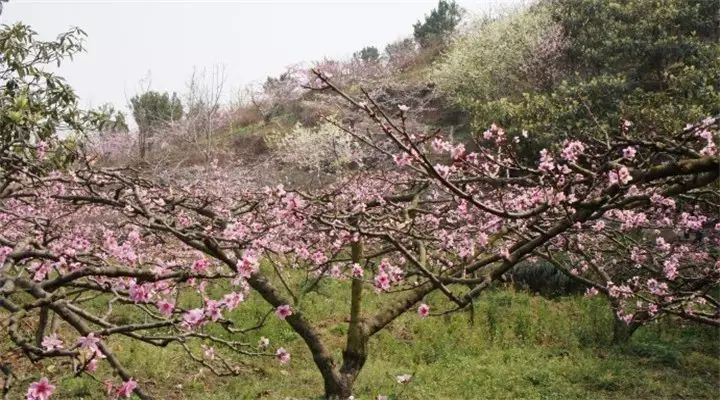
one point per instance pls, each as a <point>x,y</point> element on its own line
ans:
<point>511,345</point>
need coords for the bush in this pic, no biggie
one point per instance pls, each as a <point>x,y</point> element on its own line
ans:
<point>582,67</point>
<point>325,148</point>
<point>500,58</point>
<point>545,279</point>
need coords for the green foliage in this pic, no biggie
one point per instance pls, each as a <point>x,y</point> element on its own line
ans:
<point>369,54</point>
<point>108,119</point>
<point>656,64</point>
<point>153,110</point>
<point>491,60</point>
<point>441,22</point>
<point>638,38</point>
<point>544,279</point>
<point>35,103</point>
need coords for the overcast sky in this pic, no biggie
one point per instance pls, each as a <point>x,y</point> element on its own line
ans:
<point>130,40</point>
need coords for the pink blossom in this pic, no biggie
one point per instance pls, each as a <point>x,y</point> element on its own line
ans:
<point>200,266</point>
<point>710,148</point>
<point>457,152</point>
<point>423,310</point>
<point>402,159</point>
<point>89,342</point>
<point>598,226</point>
<point>40,390</point>
<point>183,220</point>
<point>670,267</point>
<point>692,222</point>
<point>233,300</point>
<point>629,153</point>
<point>91,365</point>
<point>572,150</point>
<point>652,309</point>
<point>248,265</point>
<point>335,272</point>
<point>624,175</point>
<point>621,291</point>
<point>591,292</point>
<point>165,307</point>
<point>547,163</point>
<point>662,245</point>
<point>318,258</point>
<point>357,271</point>
<point>656,288</point>
<point>621,176</point>
<point>442,170</point>
<point>193,318</point>
<point>127,388</point>
<point>236,231</point>
<point>438,145</point>
<point>40,150</point>
<point>213,310</point>
<point>41,271</point>
<point>139,293</point>
<point>627,318</point>
<point>382,281</point>
<point>283,311</point>
<point>282,355</point>
<point>52,342</point>
<point>4,252</point>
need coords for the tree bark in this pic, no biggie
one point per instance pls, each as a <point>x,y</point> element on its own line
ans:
<point>622,331</point>
<point>355,352</point>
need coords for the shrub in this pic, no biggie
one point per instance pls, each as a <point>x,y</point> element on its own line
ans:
<point>500,58</point>
<point>582,67</point>
<point>325,148</point>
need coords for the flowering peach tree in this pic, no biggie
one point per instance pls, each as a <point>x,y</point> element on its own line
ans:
<point>634,218</point>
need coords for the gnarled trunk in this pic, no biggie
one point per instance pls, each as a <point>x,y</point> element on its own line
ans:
<point>339,384</point>
<point>335,387</point>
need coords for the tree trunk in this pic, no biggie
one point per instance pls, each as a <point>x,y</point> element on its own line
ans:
<point>336,388</point>
<point>622,331</point>
<point>340,388</point>
<point>339,385</point>
<point>355,352</point>
<point>141,143</point>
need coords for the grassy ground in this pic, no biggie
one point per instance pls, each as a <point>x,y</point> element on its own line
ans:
<point>514,346</point>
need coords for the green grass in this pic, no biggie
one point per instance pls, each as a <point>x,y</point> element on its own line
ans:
<point>512,346</point>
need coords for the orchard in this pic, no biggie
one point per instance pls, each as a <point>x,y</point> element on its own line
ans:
<point>630,216</point>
